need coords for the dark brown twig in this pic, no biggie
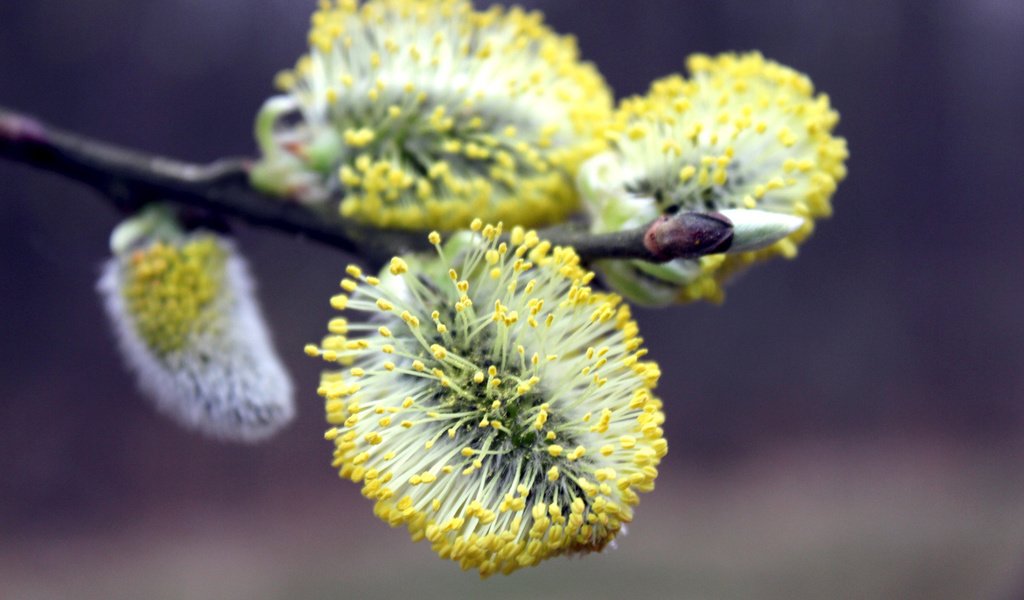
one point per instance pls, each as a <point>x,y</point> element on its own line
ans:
<point>130,178</point>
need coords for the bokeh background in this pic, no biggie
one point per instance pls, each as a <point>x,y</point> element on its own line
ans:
<point>846,425</point>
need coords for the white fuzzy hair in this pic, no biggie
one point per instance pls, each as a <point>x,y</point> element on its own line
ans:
<point>227,381</point>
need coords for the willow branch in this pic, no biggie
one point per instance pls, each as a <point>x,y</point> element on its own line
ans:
<point>131,178</point>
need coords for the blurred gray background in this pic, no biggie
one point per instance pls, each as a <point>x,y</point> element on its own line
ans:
<point>846,425</point>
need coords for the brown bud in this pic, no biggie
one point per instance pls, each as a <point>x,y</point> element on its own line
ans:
<point>688,235</point>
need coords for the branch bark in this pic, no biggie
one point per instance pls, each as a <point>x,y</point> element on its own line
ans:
<point>131,178</point>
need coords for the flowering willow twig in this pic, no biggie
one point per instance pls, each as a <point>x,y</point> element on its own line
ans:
<point>131,178</point>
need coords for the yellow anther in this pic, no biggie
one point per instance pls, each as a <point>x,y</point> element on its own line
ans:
<point>339,301</point>
<point>398,266</point>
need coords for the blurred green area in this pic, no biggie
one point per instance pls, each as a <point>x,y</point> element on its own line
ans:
<point>885,519</point>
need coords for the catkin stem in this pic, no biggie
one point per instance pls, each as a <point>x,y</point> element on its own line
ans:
<point>221,190</point>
